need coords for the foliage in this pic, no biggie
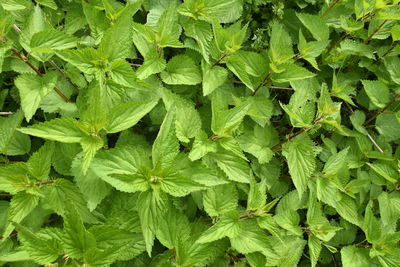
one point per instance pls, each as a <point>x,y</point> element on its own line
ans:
<point>199,133</point>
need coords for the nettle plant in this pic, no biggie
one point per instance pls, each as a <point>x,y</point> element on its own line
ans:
<point>199,133</point>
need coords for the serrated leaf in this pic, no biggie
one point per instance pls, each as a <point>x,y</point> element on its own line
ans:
<point>291,72</point>
<point>40,162</point>
<point>49,40</point>
<point>32,89</point>
<point>64,130</point>
<point>378,92</point>
<point>220,199</point>
<point>48,251</point>
<point>181,70</point>
<point>126,115</point>
<point>301,161</point>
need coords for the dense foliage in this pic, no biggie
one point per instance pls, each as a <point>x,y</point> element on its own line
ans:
<point>199,133</point>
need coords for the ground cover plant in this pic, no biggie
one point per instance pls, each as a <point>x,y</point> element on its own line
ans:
<point>199,133</point>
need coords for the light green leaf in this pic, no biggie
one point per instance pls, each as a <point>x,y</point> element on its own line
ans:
<point>201,146</point>
<point>122,73</point>
<point>220,199</point>
<point>281,44</point>
<point>213,77</point>
<point>76,239</point>
<point>174,229</point>
<point>40,162</point>
<point>200,31</point>
<point>315,247</point>
<point>166,146</point>
<point>181,69</point>
<point>228,225</point>
<point>90,145</point>
<point>49,3</point>
<point>316,25</point>
<point>125,162</point>
<point>384,170</point>
<point>117,40</point>
<point>49,40</point>
<point>351,47</point>
<point>301,161</point>
<point>392,65</point>
<point>378,92</point>
<point>355,257</point>
<point>234,167</point>
<point>8,126</point>
<point>48,251</point>
<point>291,72</point>
<point>32,89</point>
<point>64,130</point>
<point>21,205</point>
<point>152,208</point>
<point>126,115</point>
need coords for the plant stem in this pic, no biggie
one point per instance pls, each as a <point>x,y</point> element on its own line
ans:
<point>221,58</point>
<point>262,83</point>
<point>5,113</point>
<point>375,31</point>
<point>59,70</point>
<point>290,137</point>
<point>330,7</point>
<point>394,100</point>
<point>38,72</point>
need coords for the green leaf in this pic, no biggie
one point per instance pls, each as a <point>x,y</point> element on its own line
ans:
<point>85,59</point>
<point>200,31</point>
<point>122,73</point>
<point>202,146</point>
<point>90,145</point>
<point>384,170</point>
<point>40,162</point>
<point>291,72</point>
<point>174,229</point>
<point>213,77</point>
<point>49,3</point>
<point>181,70</point>
<point>316,25</point>
<point>188,122</point>
<point>122,161</point>
<point>355,257</point>
<point>257,142</point>
<point>378,92</point>
<point>64,130</point>
<point>8,126</point>
<point>257,196</point>
<point>32,89</point>
<point>48,251</point>
<point>152,208</point>
<point>233,166</point>
<point>61,195</point>
<point>228,225</point>
<point>389,126</point>
<point>315,247</point>
<point>301,161</point>
<point>50,40</point>
<point>220,199</point>
<point>281,44</point>
<point>166,146</point>
<point>350,47</point>
<point>21,205</point>
<point>76,239</point>
<point>391,12</point>
<point>117,40</point>
<point>15,5</point>
<point>126,115</point>
<point>392,65</point>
